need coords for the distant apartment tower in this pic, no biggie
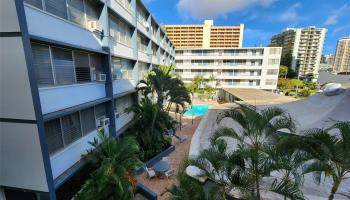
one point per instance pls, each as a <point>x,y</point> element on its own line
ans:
<point>255,67</point>
<point>68,68</point>
<point>301,49</point>
<point>342,56</point>
<point>205,35</point>
<point>326,64</point>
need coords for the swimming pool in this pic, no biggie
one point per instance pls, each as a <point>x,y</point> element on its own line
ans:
<point>197,110</point>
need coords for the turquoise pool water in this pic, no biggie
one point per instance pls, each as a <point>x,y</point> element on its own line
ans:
<point>197,110</point>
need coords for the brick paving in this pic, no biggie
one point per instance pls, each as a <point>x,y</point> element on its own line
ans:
<point>176,158</point>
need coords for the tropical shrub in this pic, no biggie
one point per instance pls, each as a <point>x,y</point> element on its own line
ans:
<point>115,161</point>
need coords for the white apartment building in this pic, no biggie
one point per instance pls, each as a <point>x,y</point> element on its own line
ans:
<point>255,67</point>
<point>68,67</point>
<point>302,49</point>
<point>342,56</point>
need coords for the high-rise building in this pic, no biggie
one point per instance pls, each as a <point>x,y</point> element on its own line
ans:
<point>301,49</point>
<point>326,63</point>
<point>342,56</point>
<point>67,68</point>
<point>255,67</point>
<point>205,35</point>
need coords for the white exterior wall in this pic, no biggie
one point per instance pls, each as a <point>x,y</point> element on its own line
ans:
<point>244,70</point>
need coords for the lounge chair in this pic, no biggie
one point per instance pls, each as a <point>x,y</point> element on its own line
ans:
<point>150,173</point>
<point>169,173</point>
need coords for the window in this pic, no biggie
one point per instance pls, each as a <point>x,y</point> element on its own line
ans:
<point>42,65</point>
<point>88,121</point>
<point>100,111</point>
<point>82,67</point>
<point>142,43</point>
<point>274,51</point>
<point>271,82</point>
<point>96,63</point>
<point>76,11</point>
<point>274,61</point>
<point>71,128</point>
<point>120,31</point>
<point>63,66</point>
<point>141,15</point>
<point>92,9</point>
<point>53,135</point>
<point>272,71</point>
<point>56,66</point>
<point>63,131</point>
<point>122,103</point>
<point>35,3</point>
<point>57,7</point>
<point>122,68</point>
<point>142,70</point>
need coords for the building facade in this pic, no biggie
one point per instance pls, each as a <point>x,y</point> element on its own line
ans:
<point>342,56</point>
<point>67,69</point>
<point>301,49</point>
<point>231,67</point>
<point>326,64</point>
<point>205,35</point>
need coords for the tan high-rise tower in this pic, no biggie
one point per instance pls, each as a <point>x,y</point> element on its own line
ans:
<point>205,36</point>
<point>342,56</point>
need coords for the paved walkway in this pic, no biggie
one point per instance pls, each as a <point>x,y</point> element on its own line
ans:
<point>176,158</point>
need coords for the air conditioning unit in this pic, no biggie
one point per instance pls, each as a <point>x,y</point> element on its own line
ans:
<point>102,122</point>
<point>116,115</point>
<point>101,77</point>
<point>146,24</point>
<point>94,26</point>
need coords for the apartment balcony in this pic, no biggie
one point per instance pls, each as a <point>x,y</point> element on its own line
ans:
<point>144,57</point>
<point>143,27</point>
<point>51,97</point>
<point>44,25</point>
<point>123,10</point>
<point>122,50</point>
<point>123,86</point>
<point>122,120</point>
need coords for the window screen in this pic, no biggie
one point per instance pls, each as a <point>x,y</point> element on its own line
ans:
<point>53,135</point>
<point>87,117</point>
<point>71,128</point>
<point>63,65</point>
<point>57,7</point>
<point>42,65</point>
<point>82,68</point>
<point>100,110</point>
<point>76,11</point>
<point>35,3</point>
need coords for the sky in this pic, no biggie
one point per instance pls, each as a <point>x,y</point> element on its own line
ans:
<point>261,18</point>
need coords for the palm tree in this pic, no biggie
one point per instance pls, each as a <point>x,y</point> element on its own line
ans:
<point>148,126</point>
<point>256,131</point>
<point>162,86</point>
<point>330,149</point>
<point>227,169</point>
<point>288,162</point>
<point>116,160</point>
<point>188,188</point>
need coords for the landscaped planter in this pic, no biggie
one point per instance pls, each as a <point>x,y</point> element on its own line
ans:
<point>157,158</point>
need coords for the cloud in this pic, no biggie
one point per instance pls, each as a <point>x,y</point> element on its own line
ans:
<point>290,14</point>
<point>333,18</point>
<point>340,29</point>
<point>203,9</point>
